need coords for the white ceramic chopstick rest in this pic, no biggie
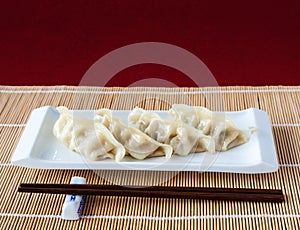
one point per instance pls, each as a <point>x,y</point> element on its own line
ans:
<point>73,204</point>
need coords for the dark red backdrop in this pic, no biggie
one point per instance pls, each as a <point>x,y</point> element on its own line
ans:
<point>242,42</point>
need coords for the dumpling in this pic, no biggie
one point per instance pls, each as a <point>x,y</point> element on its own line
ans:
<point>227,135</point>
<point>151,124</point>
<point>223,130</point>
<point>83,136</point>
<point>96,142</point>
<point>136,143</point>
<point>63,128</point>
<point>198,117</point>
<point>141,118</point>
<point>190,140</point>
<point>183,138</point>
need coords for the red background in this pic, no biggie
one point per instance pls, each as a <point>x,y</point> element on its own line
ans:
<point>242,42</point>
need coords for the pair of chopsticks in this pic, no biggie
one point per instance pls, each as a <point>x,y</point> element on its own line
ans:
<point>232,194</point>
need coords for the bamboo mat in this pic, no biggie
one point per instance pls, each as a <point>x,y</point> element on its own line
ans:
<point>42,211</point>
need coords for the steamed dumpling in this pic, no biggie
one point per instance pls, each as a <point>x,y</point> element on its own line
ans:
<point>136,143</point>
<point>190,140</point>
<point>63,128</point>
<point>222,129</point>
<point>141,118</point>
<point>183,138</point>
<point>83,136</point>
<point>227,135</point>
<point>198,117</point>
<point>151,124</point>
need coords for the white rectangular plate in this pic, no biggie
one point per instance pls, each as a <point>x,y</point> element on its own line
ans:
<point>38,148</point>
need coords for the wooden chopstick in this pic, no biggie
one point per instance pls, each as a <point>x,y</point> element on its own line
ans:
<point>233,194</point>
